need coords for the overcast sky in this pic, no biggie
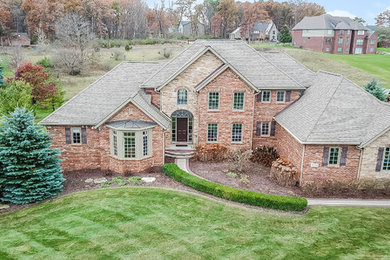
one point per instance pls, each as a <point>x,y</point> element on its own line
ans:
<point>367,9</point>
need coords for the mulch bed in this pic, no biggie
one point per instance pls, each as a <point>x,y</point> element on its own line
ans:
<point>258,176</point>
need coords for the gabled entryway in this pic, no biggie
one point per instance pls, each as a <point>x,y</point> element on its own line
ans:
<point>182,126</point>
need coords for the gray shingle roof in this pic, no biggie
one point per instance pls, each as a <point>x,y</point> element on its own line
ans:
<point>104,96</point>
<point>335,111</point>
<point>291,66</point>
<point>130,124</point>
<point>262,26</point>
<point>259,71</point>
<point>328,22</point>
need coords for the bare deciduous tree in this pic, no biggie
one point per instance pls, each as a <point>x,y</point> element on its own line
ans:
<point>74,39</point>
<point>17,56</point>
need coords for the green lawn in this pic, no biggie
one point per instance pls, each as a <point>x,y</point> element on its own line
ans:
<point>375,64</point>
<point>383,49</point>
<point>152,223</point>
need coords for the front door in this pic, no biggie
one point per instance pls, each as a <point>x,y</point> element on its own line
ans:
<point>182,129</point>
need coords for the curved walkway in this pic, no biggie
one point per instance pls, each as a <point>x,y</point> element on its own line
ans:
<point>183,164</point>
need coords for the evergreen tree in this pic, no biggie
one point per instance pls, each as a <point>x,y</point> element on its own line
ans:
<point>374,88</point>
<point>285,35</point>
<point>13,94</point>
<point>30,170</point>
<point>1,76</point>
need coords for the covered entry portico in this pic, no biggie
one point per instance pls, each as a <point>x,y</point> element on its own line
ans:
<point>182,127</point>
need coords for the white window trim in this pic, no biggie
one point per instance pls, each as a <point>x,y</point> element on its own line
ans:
<point>207,137</point>
<point>208,101</point>
<point>262,96</point>
<point>71,135</point>
<point>269,129</point>
<point>243,102</point>
<point>284,96</point>
<point>360,32</point>
<point>177,97</point>
<point>383,160</point>
<point>242,134</point>
<point>138,143</point>
<point>338,157</point>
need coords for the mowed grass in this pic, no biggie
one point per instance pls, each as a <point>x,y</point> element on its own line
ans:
<point>358,68</point>
<point>152,223</point>
<point>375,64</point>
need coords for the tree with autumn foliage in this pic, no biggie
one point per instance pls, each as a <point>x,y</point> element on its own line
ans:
<point>252,13</point>
<point>225,18</point>
<point>45,90</point>
<point>383,19</point>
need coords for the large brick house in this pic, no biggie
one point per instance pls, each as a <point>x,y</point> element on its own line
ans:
<point>224,92</point>
<point>331,34</point>
<point>265,30</point>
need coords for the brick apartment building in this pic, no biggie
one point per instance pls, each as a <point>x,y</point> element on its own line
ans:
<point>337,35</point>
<point>224,92</point>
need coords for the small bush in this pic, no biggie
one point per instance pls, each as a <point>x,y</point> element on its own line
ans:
<point>166,53</point>
<point>118,55</point>
<point>284,173</point>
<point>240,157</point>
<point>210,153</point>
<point>264,155</point>
<point>231,174</point>
<point>45,62</point>
<point>128,47</point>
<point>233,194</point>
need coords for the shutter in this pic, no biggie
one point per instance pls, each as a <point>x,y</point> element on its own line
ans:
<point>259,97</point>
<point>67,136</point>
<point>84,135</point>
<point>325,156</point>
<point>344,152</point>
<point>379,160</point>
<point>258,128</point>
<point>273,124</point>
<point>288,95</point>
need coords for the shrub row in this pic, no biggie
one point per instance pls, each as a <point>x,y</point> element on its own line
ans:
<point>233,194</point>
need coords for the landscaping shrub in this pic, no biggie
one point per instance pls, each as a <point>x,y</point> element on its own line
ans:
<point>284,173</point>
<point>365,188</point>
<point>240,157</point>
<point>45,62</point>
<point>210,152</point>
<point>128,47</point>
<point>234,194</point>
<point>264,155</point>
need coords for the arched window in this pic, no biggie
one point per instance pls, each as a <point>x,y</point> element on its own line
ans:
<point>182,96</point>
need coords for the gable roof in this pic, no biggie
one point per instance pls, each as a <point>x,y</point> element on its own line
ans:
<point>249,63</point>
<point>99,101</point>
<point>335,111</point>
<point>263,26</point>
<point>328,22</point>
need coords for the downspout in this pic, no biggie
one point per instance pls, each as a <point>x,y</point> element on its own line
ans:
<point>163,138</point>
<point>303,160</point>
<point>253,118</point>
<point>360,163</point>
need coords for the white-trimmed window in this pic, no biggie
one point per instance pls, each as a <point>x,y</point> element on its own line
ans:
<point>334,156</point>
<point>373,41</point>
<point>358,50</point>
<point>265,129</point>
<point>76,135</point>
<point>359,42</point>
<point>173,129</point>
<point>213,100</point>
<point>280,96</point>
<point>182,97</point>
<point>341,32</point>
<point>212,132</point>
<point>266,96</point>
<point>115,142</point>
<point>330,31</point>
<point>131,144</point>
<point>237,133</point>
<point>327,49</point>
<point>386,160</point>
<point>339,49</point>
<point>341,40</point>
<point>371,49</point>
<point>145,143</point>
<point>238,101</point>
<point>361,32</point>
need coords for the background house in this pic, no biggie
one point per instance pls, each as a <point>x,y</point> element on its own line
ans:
<point>185,28</point>
<point>15,39</point>
<point>265,30</point>
<point>330,34</point>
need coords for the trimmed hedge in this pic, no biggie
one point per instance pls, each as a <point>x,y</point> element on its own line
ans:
<point>230,193</point>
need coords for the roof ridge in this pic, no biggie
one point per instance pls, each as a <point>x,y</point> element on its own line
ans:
<point>323,111</point>
<point>166,64</point>
<point>82,91</point>
<point>261,55</point>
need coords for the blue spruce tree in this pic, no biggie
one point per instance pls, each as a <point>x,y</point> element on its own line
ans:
<point>1,76</point>
<point>29,169</point>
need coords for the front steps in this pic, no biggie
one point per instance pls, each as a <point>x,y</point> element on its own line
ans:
<point>180,151</point>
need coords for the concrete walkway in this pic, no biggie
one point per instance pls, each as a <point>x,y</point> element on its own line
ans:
<point>349,202</point>
<point>183,164</point>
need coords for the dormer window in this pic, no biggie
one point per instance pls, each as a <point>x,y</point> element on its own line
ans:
<point>182,96</point>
